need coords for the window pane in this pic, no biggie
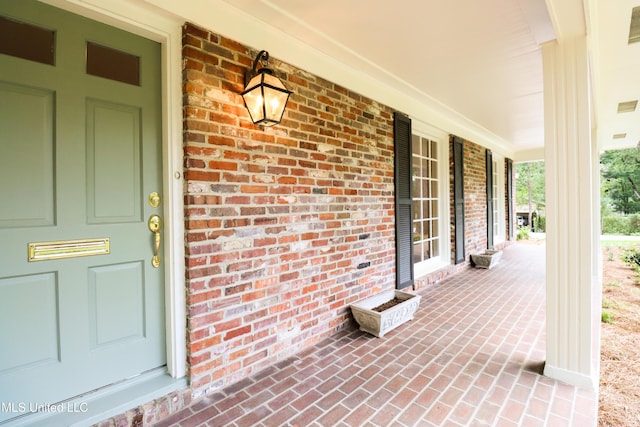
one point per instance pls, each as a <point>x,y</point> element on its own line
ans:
<point>434,189</point>
<point>434,169</point>
<point>426,252</point>
<point>425,147</point>
<point>425,210</point>
<point>434,208</point>
<point>417,252</point>
<point>417,231</point>
<point>27,41</point>
<point>417,213</point>
<point>415,185</point>
<point>426,193</point>
<point>415,165</point>
<point>113,64</point>
<point>426,233</point>
<point>435,249</point>
<point>415,144</point>
<point>434,150</point>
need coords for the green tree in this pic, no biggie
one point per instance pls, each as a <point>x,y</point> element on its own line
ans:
<point>620,180</point>
<point>530,186</point>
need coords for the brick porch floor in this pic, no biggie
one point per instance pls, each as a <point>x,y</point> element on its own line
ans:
<point>471,357</point>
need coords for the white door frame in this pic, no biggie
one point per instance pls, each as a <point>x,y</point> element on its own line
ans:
<point>144,20</point>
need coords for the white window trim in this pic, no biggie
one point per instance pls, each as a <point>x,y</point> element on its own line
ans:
<point>441,138</point>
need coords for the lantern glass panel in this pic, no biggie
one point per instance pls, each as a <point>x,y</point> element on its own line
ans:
<point>254,102</point>
<point>275,101</point>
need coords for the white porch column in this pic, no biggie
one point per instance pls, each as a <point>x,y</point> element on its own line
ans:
<point>572,186</point>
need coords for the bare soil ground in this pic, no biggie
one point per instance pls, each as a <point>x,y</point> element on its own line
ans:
<point>619,403</point>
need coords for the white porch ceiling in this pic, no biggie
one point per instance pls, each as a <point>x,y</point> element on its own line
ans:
<point>481,59</point>
<point>617,73</point>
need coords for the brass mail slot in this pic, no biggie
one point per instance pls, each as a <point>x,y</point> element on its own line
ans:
<point>43,251</point>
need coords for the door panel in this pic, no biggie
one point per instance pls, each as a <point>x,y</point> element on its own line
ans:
<point>113,144</point>
<point>116,288</point>
<point>79,155</point>
<point>26,152</point>
<point>34,333</point>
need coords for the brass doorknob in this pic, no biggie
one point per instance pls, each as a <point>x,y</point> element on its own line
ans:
<point>155,224</point>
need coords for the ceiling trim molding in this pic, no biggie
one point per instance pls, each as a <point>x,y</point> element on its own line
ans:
<point>533,155</point>
<point>568,17</point>
<point>537,16</point>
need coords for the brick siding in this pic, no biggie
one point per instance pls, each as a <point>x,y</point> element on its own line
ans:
<point>475,198</point>
<point>286,226</point>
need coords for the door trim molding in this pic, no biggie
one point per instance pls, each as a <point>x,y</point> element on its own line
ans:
<point>144,20</point>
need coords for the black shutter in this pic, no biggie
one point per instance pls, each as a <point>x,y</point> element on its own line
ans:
<point>489,159</point>
<point>510,198</point>
<point>404,214</point>
<point>458,198</point>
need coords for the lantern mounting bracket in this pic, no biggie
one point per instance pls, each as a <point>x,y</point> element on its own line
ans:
<point>263,59</point>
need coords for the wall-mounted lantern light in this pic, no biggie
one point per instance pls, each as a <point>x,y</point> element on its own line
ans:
<point>264,95</point>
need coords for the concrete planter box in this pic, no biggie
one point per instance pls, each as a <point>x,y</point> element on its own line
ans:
<point>487,259</point>
<point>379,323</point>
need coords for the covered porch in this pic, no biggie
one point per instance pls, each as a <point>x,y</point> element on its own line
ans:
<point>472,356</point>
<point>270,233</point>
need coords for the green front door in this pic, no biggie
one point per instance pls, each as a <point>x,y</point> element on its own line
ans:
<point>81,305</point>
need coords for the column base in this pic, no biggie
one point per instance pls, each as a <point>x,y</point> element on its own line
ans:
<point>571,377</point>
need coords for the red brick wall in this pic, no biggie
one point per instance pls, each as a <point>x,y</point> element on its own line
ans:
<point>475,198</point>
<point>285,227</point>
